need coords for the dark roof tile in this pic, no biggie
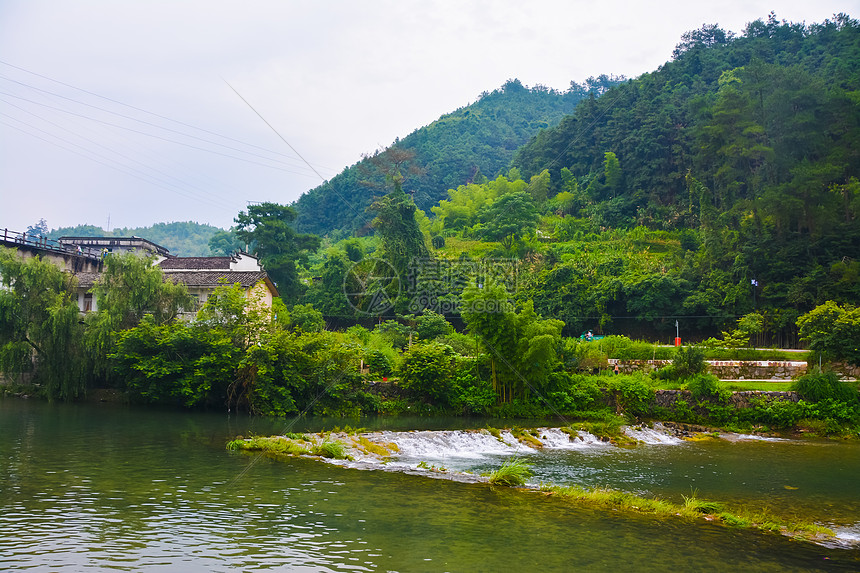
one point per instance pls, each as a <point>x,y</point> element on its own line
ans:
<point>196,263</point>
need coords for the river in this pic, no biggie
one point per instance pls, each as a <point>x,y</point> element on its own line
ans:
<point>93,487</point>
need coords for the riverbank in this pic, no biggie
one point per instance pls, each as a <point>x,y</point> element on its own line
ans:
<point>399,452</point>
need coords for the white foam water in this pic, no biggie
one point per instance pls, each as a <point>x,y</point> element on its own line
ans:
<point>453,444</point>
<point>653,436</point>
<point>848,535</point>
<point>752,437</point>
<point>555,438</point>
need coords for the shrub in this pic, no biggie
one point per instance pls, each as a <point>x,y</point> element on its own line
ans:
<point>689,361</point>
<point>633,393</point>
<point>703,386</point>
<point>588,356</point>
<point>432,324</point>
<point>462,344</point>
<point>426,371</point>
<point>615,346</point>
<point>818,386</point>
<point>777,413</point>
<point>570,392</point>
<point>378,363</point>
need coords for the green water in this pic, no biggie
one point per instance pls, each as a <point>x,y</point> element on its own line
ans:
<point>89,487</point>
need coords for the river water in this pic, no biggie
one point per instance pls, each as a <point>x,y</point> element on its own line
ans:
<point>106,487</point>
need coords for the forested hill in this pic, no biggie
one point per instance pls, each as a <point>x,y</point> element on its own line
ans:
<point>767,122</point>
<point>749,144</point>
<point>453,150</point>
<point>184,239</point>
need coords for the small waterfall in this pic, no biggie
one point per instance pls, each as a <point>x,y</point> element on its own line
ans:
<point>453,444</point>
<point>653,436</point>
<point>848,536</point>
<point>555,438</point>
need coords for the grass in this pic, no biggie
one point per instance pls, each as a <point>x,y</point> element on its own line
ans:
<point>692,508</point>
<point>495,432</point>
<point>332,450</point>
<point>300,445</point>
<point>513,473</point>
<point>383,450</point>
<point>528,437</point>
<point>607,429</point>
<point>766,386</point>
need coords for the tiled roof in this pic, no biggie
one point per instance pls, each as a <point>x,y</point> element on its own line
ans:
<point>193,278</point>
<point>213,279</point>
<point>87,280</point>
<point>196,263</point>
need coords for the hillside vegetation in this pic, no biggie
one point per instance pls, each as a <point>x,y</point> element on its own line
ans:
<point>722,184</point>
<point>456,148</point>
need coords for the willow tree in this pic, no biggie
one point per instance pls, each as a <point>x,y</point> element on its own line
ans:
<point>40,330</point>
<point>130,288</point>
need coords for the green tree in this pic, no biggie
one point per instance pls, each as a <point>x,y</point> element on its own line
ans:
<point>225,243</point>
<point>40,326</point>
<point>833,330</point>
<point>327,294</point>
<point>512,216</point>
<point>522,345</point>
<point>268,229</point>
<point>129,288</point>
<point>40,229</point>
<point>539,187</point>
<point>176,364</point>
<point>427,372</point>
<point>432,324</point>
<point>401,240</point>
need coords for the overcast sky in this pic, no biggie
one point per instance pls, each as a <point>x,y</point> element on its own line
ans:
<point>121,113</point>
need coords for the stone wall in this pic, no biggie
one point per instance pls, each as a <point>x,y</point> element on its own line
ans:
<point>777,370</point>
<point>740,400</point>
<point>727,369</point>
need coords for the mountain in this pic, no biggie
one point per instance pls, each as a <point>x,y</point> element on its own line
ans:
<point>186,238</point>
<point>768,122</point>
<point>480,138</point>
<point>746,149</point>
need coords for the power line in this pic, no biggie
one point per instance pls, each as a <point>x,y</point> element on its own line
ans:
<point>205,195</point>
<point>178,122</point>
<point>341,197</point>
<point>96,120</point>
<point>122,169</point>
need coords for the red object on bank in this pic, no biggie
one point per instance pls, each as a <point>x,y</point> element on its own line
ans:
<point>677,341</point>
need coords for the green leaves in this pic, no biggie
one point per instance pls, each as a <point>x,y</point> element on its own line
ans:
<point>39,325</point>
<point>427,371</point>
<point>512,215</point>
<point>268,229</point>
<point>833,330</point>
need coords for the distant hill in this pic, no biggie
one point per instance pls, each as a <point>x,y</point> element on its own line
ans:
<point>185,238</point>
<point>480,138</point>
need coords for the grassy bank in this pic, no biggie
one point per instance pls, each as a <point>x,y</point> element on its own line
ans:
<point>692,508</point>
